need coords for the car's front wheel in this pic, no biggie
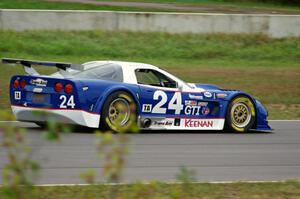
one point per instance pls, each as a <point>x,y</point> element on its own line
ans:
<point>119,112</point>
<point>240,115</point>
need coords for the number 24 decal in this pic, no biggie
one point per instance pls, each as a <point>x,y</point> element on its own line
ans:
<point>65,102</point>
<point>174,104</point>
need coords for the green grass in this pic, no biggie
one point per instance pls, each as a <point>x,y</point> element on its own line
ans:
<point>40,4</point>
<point>156,190</point>
<point>226,3</point>
<point>43,4</point>
<point>267,68</point>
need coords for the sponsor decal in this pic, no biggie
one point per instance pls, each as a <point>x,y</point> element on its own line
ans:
<point>221,95</point>
<point>177,121</point>
<point>163,123</point>
<point>196,110</point>
<point>192,110</point>
<point>198,123</point>
<point>39,82</point>
<point>202,103</point>
<point>37,90</point>
<point>17,95</point>
<point>147,108</point>
<point>196,97</point>
<point>190,102</point>
<point>205,111</point>
<point>207,94</point>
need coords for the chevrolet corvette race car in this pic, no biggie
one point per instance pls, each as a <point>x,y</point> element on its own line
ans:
<point>101,94</point>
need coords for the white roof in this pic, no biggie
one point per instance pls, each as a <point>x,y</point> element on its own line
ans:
<point>125,65</point>
<point>129,68</point>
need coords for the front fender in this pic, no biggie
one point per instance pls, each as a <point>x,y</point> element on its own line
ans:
<point>261,119</point>
<point>261,122</point>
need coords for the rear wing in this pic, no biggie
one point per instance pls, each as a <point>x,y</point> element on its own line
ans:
<point>27,64</point>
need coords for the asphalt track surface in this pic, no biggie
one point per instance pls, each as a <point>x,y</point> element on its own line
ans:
<point>214,156</point>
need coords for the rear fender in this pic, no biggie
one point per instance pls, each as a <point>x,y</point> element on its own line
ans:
<point>133,91</point>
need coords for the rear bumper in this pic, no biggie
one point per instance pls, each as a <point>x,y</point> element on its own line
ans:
<point>68,116</point>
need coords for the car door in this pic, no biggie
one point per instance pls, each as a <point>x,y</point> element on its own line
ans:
<point>157,90</point>
<point>160,98</point>
<point>168,106</point>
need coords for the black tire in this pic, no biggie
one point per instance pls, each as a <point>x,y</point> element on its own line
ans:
<point>125,116</point>
<point>241,114</point>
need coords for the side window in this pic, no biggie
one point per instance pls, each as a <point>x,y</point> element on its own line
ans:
<point>147,77</point>
<point>154,78</point>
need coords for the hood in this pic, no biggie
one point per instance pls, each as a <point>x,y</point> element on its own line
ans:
<point>218,92</point>
<point>208,86</point>
<point>211,87</point>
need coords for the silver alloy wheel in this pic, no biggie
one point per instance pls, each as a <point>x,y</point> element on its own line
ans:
<point>240,115</point>
<point>119,112</point>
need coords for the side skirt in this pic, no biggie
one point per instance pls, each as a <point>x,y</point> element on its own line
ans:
<point>161,123</point>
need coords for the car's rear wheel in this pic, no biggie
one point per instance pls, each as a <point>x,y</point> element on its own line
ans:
<point>240,115</point>
<point>119,112</point>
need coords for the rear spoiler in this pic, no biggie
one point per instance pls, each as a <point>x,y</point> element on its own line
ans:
<point>27,64</point>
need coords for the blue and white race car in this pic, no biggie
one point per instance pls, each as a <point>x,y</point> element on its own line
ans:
<point>101,94</point>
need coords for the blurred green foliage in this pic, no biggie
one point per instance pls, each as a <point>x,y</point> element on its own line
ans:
<point>112,148</point>
<point>20,169</point>
<point>158,190</point>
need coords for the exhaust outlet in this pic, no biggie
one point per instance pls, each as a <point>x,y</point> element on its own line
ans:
<point>146,123</point>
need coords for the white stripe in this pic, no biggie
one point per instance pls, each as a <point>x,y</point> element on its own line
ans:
<point>168,182</point>
<point>284,120</point>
